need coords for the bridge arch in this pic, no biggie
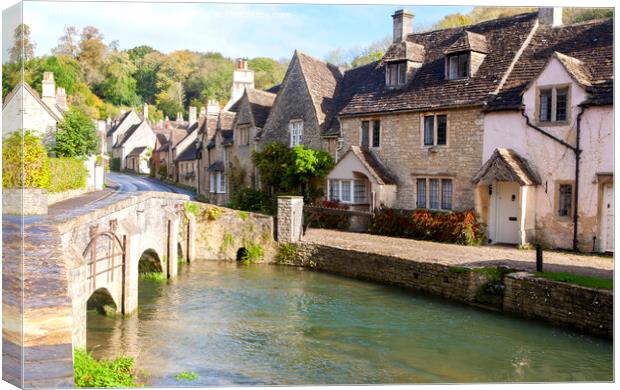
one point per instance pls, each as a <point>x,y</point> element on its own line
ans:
<point>150,261</point>
<point>102,301</point>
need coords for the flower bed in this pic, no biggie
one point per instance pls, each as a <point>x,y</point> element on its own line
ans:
<point>451,227</point>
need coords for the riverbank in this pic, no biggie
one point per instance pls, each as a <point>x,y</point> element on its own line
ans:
<point>474,276</point>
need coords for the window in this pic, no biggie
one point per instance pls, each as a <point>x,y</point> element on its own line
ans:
<point>222,183</point>
<point>296,128</point>
<point>217,182</point>
<point>244,135</point>
<point>553,104</point>
<point>434,193</point>
<point>212,182</point>
<point>376,133</point>
<point>348,191</point>
<point>396,74</point>
<point>565,200</point>
<point>435,130</point>
<point>458,66</point>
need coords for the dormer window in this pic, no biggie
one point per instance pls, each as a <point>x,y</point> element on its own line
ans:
<point>396,74</point>
<point>553,104</point>
<point>458,66</point>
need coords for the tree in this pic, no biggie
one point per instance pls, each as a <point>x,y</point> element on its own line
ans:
<point>76,135</point>
<point>118,85</point>
<point>67,43</point>
<point>337,57</point>
<point>267,72</point>
<point>30,152</point>
<point>92,52</point>
<point>273,163</point>
<point>139,52</point>
<point>23,46</point>
<point>67,72</point>
<point>146,74</point>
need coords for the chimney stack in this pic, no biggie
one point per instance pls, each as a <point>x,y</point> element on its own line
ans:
<point>213,107</point>
<point>48,87</point>
<point>146,111</point>
<point>192,115</point>
<point>61,98</point>
<point>203,111</point>
<point>403,25</point>
<point>550,16</point>
<point>180,116</point>
<point>243,78</point>
<point>242,64</point>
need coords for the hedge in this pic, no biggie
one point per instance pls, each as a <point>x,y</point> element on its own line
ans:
<point>67,174</point>
<point>451,227</point>
<point>115,164</point>
<point>36,171</point>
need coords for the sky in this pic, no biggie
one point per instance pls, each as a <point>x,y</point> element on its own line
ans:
<point>235,30</point>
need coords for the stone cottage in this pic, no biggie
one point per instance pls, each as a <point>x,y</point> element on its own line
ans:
<point>547,173</point>
<point>137,136</point>
<point>218,159</point>
<point>23,108</point>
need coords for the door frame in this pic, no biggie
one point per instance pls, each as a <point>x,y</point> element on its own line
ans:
<point>494,214</point>
<point>604,245</point>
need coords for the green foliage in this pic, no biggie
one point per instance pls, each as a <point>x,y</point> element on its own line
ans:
<point>578,15</point>
<point>249,199</point>
<point>581,280</point>
<point>267,72</point>
<point>23,46</point>
<point>76,135</point>
<point>153,276</point>
<point>36,170</point>
<point>212,213</point>
<point>188,376</point>
<point>118,85</point>
<point>89,372</point>
<point>115,164</point>
<point>253,253</point>
<point>228,241</point>
<point>193,208</point>
<point>286,253</point>
<point>66,73</point>
<point>525,247</point>
<point>243,215</point>
<point>459,270</point>
<point>492,291</point>
<point>462,228</point>
<point>310,164</point>
<point>67,174</point>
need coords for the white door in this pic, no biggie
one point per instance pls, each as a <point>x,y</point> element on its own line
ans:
<point>608,218</point>
<point>507,222</point>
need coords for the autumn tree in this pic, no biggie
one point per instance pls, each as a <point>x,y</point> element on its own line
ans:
<point>91,54</point>
<point>267,72</point>
<point>23,46</point>
<point>67,43</point>
<point>118,85</point>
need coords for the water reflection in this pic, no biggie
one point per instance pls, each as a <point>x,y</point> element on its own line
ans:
<point>236,325</point>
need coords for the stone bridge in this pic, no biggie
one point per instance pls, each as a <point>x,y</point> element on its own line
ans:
<point>56,265</point>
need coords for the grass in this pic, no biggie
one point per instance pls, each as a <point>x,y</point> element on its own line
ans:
<point>89,372</point>
<point>253,253</point>
<point>153,276</point>
<point>580,280</point>
<point>185,375</point>
<point>526,247</point>
<point>286,253</point>
<point>243,215</point>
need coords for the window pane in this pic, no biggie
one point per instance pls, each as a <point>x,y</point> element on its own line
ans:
<point>463,65</point>
<point>376,133</point>
<point>545,105</point>
<point>345,189</point>
<point>561,104</point>
<point>359,191</point>
<point>300,131</point>
<point>402,73</point>
<point>365,133</point>
<point>434,193</point>
<point>442,130</point>
<point>452,67</point>
<point>429,124</point>
<point>565,199</point>
<point>333,189</point>
<point>292,129</point>
<point>393,72</point>
<point>421,193</point>
<point>212,182</point>
<point>222,182</point>
<point>446,194</point>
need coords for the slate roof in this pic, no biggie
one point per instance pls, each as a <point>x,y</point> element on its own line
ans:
<point>217,166</point>
<point>227,137</point>
<point>174,136</point>
<point>120,120</point>
<point>190,153</point>
<point>373,164</point>
<point>507,165</point>
<point>225,120</point>
<point>429,88</point>
<point>590,43</point>
<point>36,96</point>
<point>405,51</point>
<point>469,41</point>
<point>260,104</point>
<point>136,152</point>
<point>127,134</point>
<point>274,89</point>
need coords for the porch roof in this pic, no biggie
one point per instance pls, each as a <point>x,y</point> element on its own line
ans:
<point>374,166</point>
<point>507,165</point>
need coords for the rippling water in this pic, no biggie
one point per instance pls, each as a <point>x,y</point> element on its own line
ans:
<point>271,325</point>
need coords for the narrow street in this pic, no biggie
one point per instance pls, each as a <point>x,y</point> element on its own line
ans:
<point>123,182</point>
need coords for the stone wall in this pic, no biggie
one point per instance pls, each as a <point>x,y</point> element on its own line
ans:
<point>34,201</point>
<point>433,278</point>
<point>221,232</point>
<point>403,153</point>
<point>586,309</point>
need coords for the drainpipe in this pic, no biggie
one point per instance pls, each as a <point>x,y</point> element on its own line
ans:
<point>577,152</point>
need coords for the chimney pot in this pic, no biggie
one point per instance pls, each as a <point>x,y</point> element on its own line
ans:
<point>402,25</point>
<point>550,16</point>
<point>48,86</point>
<point>192,115</point>
<point>146,111</point>
<point>180,116</point>
<point>61,98</point>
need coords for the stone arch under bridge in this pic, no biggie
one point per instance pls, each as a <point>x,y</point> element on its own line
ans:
<point>69,257</point>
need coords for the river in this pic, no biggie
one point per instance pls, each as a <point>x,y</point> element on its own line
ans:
<point>276,325</point>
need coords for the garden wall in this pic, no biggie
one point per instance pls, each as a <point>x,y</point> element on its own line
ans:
<point>583,308</point>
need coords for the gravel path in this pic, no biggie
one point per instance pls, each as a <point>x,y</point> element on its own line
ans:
<point>592,265</point>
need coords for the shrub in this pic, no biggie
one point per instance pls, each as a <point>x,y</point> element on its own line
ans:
<point>115,164</point>
<point>188,376</point>
<point>153,276</point>
<point>76,135</point>
<point>212,213</point>
<point>163,171</point>
<point>193,208</point>
<point>89,372</point>
<point>248,199</point>
<point>36,170</point>
<point>253,253</point>
<point>286,253</point>
<point>451,227</point>
<point>67,174</point>
<point>327,221</point>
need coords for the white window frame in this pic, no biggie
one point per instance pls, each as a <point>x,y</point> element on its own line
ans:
<point>296,130</point>
<point>435,127</point>
<point>428,192</point>
<point>457,56</point>
<point>339,187</point>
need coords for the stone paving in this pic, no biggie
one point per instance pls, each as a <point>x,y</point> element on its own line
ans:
<point>584,264</point>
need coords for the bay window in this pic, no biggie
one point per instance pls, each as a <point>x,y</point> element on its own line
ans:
<point>348,191</point>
